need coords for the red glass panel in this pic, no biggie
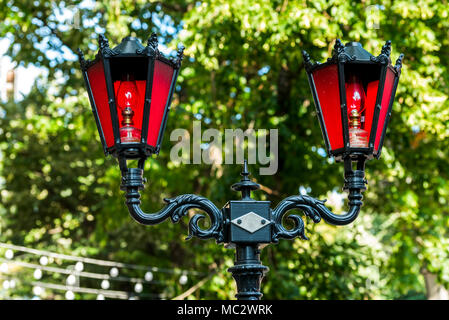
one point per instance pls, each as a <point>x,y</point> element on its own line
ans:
<point>162,79</point>
<point>328,94</point>
<point>136,103</point>
<point>97,82</point>
<point>386,97</point>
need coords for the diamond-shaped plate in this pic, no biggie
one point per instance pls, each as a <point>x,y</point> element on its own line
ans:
<point>251,222</point>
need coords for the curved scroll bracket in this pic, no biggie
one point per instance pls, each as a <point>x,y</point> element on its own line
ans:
<point>175,208</point>
<point>316,209</point>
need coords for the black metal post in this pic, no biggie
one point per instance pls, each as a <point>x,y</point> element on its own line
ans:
<point>245,224</point>
<point>248,272</point>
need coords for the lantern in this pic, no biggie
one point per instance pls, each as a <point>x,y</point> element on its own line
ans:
<point>354,93</point>
<point>130,88</point>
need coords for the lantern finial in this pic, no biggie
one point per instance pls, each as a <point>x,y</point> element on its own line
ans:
<point>398,65</point>
<point>102,41</point>
<point>179,56</point>
<point>81,59</point>
<point>152,41</point>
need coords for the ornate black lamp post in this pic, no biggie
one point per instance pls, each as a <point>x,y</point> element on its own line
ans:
<point>130,89</point>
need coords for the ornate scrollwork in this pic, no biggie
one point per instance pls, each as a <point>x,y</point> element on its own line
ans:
<point>311,207</point>
<point>103,45</point>
<point>152,41</point>
<point>339,54</point>
<point>176,208</point>
<point>152,47</point>
<point>384,56</point>
<point>179,206</point>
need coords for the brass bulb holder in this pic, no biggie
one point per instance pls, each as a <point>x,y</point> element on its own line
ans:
<point>128,115</point>
<point>355,119</point>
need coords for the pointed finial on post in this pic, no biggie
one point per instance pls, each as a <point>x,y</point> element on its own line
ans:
<point>245,186</point>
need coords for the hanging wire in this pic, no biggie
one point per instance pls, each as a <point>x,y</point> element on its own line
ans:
<point>98,261</point>
<point>101,276</point>
<point>114,294</point>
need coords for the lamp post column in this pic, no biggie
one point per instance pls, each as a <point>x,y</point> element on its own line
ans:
<point>248,272</point>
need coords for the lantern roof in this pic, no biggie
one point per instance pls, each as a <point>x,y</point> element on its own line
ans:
<point>355,49</point>
<point>129,45</point>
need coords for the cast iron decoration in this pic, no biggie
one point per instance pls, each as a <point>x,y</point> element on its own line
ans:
<point>130,89</point>
<point>354,93</point>
<point>115,88</point>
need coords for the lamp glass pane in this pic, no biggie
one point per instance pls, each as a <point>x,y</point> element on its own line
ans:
<point>386,98</point>
<point>328,94</point>
<point>95,74</point>
<point>162,79</point>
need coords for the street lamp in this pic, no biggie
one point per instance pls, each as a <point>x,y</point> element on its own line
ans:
<point>244,224</point>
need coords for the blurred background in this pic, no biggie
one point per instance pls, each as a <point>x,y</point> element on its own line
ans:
<point>65,232</point>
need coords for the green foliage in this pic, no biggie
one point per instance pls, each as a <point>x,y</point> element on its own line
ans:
<point>243,58</point>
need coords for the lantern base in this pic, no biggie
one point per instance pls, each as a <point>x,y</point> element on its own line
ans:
<point>129,134</point>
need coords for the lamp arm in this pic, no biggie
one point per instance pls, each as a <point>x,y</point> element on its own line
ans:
<point>175,208</point>
<point>316,209</point>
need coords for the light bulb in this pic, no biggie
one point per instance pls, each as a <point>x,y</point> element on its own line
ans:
<point>37,274</point>
<point>114,272</point>
<point>69,295</point>
<point>148,276</point>
<point>43,260</point>
<point>355,101</point>
<point>79,266</point>
<point>105,284</point>
<point>127,98</point>
<point>71,280</point>
<point>183,279</point>
<point>37,290</point>
<point>138,287</point>
<point>9,254</point>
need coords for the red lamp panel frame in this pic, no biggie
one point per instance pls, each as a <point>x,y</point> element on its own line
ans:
<point>340,148</point>
<point>156,104</point>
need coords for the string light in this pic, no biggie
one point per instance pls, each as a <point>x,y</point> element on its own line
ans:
<point>114,272</point>
<point>105,263</point>
<point>37,290</point>
<point>37,274</point>
<point>183,279</point>
<point>148,276</point>
<point>76,270</point>
<point>71,280</point>
<point>43,260</point>
<point>5,285</point>
<point>79,266</point>
<point>9,254</point>
<point>4,267</point>
<point>138,287</point>
<point>105,284</point>
<point>69,295</point>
